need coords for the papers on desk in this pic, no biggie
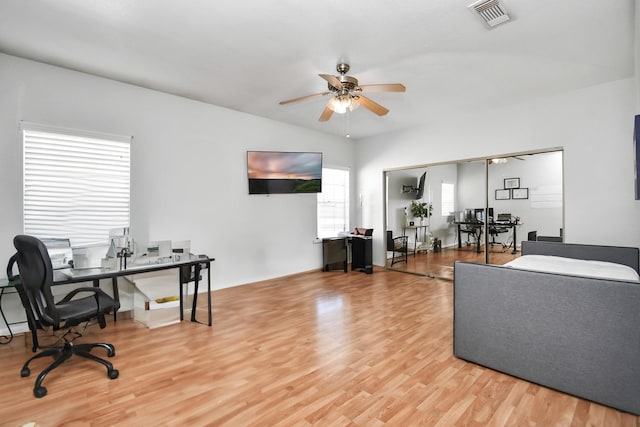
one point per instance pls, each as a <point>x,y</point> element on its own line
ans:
<point>71,273</point>
<point>59,275</point>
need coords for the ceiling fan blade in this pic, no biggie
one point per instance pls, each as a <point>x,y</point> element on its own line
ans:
<point>326,114</point>
<point>390,87</point>
<point>333,80</point>
<point>371,105</point>
<point>315,95</point>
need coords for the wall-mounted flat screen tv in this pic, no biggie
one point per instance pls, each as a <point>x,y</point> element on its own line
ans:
<point>278,172</point>
<point>421,186</point>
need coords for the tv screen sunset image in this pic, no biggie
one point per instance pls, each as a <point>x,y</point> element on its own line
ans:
<point>272,172</point>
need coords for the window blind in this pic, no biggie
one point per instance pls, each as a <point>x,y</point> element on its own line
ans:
<point>76,184</point>
<point>448,199</point>
<point>333,202</point>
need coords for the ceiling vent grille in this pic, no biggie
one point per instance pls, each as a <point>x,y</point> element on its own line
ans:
<point>491,12</point>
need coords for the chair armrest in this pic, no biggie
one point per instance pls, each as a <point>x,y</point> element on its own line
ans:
<point>76,291</point>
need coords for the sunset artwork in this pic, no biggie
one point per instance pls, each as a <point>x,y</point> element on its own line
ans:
<point>275,172</point>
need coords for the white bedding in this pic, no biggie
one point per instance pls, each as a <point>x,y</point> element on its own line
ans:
<point>580,267</point>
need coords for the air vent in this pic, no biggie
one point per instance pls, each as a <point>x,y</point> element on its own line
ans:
<point>491,12</point>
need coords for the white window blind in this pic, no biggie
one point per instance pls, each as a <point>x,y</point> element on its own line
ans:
<point>333,202</point>
<point>76,183</point>
<point>448,199</point>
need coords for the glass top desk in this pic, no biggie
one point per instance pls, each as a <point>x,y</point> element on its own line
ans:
<point>190,267</point>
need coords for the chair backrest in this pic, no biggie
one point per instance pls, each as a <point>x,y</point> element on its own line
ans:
<point>36,276</point>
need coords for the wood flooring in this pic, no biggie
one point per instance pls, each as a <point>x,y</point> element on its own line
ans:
<point>317,348</point>
<point>440,264</point>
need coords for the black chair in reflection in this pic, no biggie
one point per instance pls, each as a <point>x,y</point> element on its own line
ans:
<point>397,245</point>
<point>473,232</point>
<point>36,279</point>
<point>496,229</point>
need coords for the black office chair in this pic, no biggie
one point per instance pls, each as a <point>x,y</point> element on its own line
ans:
<point>473,232</point>
<point>36,277</point>
<point>397,245</point>
<point>494,231</point>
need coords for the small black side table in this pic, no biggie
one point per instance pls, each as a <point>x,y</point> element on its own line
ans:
<point>362,253</point>
<point>334,253</point>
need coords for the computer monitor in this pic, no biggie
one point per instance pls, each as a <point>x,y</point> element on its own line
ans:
<point>490,214</point>
<point>60,252</point>
<point>469,215</point>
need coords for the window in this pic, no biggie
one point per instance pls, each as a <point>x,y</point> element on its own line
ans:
<point>333,202</point>
<point>75,183</point>
<point>448,199</point>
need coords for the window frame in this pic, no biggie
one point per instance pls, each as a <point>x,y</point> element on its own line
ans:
<point>452,203</point>
<point>346,203</point>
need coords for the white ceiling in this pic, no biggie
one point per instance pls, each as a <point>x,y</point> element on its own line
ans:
<point>248,55</point>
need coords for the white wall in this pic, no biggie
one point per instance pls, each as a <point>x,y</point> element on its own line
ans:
<point>541,174</point>
<point>188,164</point>
<point>593,125</point>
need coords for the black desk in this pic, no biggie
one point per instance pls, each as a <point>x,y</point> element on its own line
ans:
<point>472,227</point>
<point>67,276</point>
<point>477,228</point>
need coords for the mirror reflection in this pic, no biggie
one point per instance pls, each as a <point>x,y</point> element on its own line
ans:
<point>476,211</point>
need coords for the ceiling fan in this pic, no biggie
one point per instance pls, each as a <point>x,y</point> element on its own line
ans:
<point>346,94</point>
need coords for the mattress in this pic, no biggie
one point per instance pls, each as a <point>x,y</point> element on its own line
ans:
<point>577,267</point>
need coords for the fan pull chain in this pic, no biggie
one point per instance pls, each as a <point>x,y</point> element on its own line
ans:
<point>346,124</point>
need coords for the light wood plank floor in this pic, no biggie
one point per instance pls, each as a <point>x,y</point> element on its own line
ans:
<point>440,264</point>
<point>330,349</point>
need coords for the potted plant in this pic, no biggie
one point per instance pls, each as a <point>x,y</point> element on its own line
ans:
<point>421,209</point>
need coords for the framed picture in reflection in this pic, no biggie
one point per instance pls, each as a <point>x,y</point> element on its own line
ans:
<point>520,193</point>
<point>511,183</point>
<point>503,194</point>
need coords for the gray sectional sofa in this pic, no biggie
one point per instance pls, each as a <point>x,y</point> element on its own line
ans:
<point>575,334</point>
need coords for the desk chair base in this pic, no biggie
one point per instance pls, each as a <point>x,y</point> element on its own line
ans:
<point>504,245</point>
<point>61,354</point>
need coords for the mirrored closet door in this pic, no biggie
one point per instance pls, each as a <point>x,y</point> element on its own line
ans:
<point>473,210</point>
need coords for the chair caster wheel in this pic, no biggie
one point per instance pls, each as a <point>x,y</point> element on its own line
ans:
<point>39,392</point>
<point>113,374</point>
<point>25,372</point>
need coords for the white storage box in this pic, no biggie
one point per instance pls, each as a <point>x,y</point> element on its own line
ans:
<point>149,288</point>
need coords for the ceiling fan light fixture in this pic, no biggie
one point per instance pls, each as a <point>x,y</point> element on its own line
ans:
<point>346,95</point>
<point>341,103</point>
<point>497,161</point>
